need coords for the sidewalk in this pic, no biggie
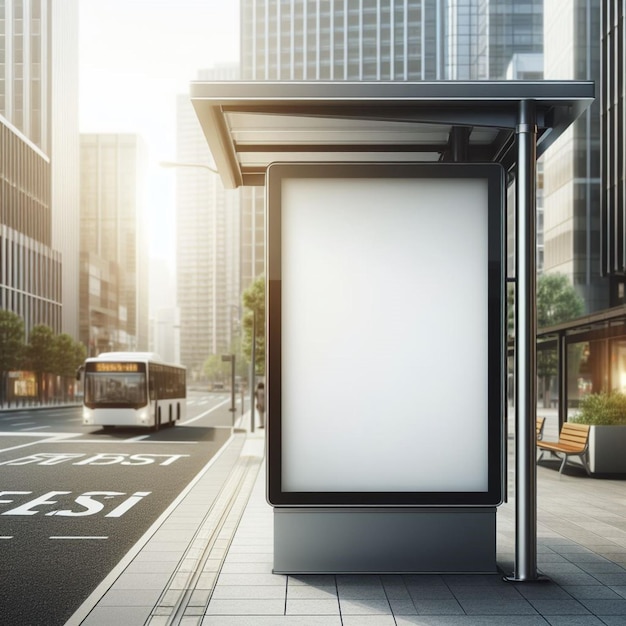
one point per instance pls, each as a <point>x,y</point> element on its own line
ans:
<point>213,567</point>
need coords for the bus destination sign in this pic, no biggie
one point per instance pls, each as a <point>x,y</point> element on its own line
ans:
<point>111,366</point>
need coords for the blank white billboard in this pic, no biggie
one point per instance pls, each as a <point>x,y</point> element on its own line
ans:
<point>384,335</point>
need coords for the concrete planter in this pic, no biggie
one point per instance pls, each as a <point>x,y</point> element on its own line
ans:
<point>607,450</point>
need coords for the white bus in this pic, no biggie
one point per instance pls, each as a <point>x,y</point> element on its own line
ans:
<point>133,389</point>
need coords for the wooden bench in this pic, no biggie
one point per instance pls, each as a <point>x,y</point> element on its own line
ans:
<point>540,424</point>
<point>573,441</point>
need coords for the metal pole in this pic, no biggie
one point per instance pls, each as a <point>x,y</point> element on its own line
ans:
<point>526,347</point>
<point>232,386</point>
<point>252,371</point>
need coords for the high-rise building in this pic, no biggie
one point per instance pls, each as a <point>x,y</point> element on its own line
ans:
<point>341,40</point>
<point>38,115</point>
<point>481,36</point>
<point>613,162</point>
<point>114,260</point>
<point>64,151</point>
<point>572,166</point>
<point>30,270</point>
<point>208,242</point>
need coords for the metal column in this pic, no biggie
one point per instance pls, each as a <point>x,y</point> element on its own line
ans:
<point>526,347</point>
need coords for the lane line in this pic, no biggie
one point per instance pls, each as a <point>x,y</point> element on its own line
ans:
<point>48,438</point>
<point>137,438</point>
<point>36,428</point>
<point>9,537</point>
<point>217,406</point>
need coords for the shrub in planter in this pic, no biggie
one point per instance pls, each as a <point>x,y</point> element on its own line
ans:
<point>602,409</point>
<point>606,414</point>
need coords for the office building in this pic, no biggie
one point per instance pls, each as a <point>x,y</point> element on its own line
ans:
<point>114,259</point>
<point>30,269</point>
<point>38,119</point>
<point>341,40</point>
<point>208,243</point>
<point>572,226</point>
<point>482,36</point>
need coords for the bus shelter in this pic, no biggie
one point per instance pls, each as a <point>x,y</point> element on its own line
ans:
<point>386,302</point>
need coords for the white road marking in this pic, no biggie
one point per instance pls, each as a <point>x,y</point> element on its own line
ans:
<point>138,438</point>
<point>50,438</point>
<point>193,419</point>
<point>10,537</point>
<point>36,428</point>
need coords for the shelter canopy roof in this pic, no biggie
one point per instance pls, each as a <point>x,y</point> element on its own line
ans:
<point>249,125</point>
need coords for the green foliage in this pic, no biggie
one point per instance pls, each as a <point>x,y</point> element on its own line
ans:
<point>602,409</point>
<point>215,369</point>
<point>557,300</point>
<point>254,302</point>
<point>67,355</point>
<point>40,353</point>
<point>11,340</point>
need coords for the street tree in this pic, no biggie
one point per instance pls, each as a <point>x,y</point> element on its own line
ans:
<point>215,369</point>
<point>254,316</point>
<point>557,302</point>
<point>68,356</point>
<point>40,354</point>
<point>11,347</point>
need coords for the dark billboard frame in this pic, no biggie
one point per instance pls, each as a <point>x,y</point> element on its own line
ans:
<point>494,175</point>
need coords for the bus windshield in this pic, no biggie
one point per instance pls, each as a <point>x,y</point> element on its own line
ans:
<point>115,389</point>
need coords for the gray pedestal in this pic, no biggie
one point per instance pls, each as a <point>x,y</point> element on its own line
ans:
<point>384,540</point>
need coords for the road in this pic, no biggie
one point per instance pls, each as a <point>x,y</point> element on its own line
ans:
<point>73,501</point>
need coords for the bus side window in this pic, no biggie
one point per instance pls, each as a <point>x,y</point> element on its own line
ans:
<point>151,388</point>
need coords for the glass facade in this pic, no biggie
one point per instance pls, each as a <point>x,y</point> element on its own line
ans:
<point>23,67</point>
<point>341,40</point>
<point>572,227</point>
<point>30,271</point>
<point>112,231</point>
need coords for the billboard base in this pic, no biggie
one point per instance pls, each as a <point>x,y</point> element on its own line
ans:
<point>384,540</point>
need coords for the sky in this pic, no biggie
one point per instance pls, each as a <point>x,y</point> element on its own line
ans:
<point>135,57</point>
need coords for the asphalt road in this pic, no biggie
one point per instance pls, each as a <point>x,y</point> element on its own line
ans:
<point>73,501</point>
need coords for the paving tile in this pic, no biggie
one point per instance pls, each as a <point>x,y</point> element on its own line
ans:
<point>469,620</point>
<point>574,620</point>
<point>561,606</point>
<point>128,597</point>
<point>107,615</point>
<point>249,592</point>
<point>295,606</point>
<point>357,592</point>
<point>274,620</point>
<point>368,620</point>
<point>143,581</point>
<point>312,579</point>
<point>246,607</point>
<point>305,592</point>
<point>433,592</point>
<point>473,606</point>
<point>402,607</point>
<point>606,607</point>
<point>252,579</point>
<point>593,592</point>
<point>438,607</point>
<point>364,606</point>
